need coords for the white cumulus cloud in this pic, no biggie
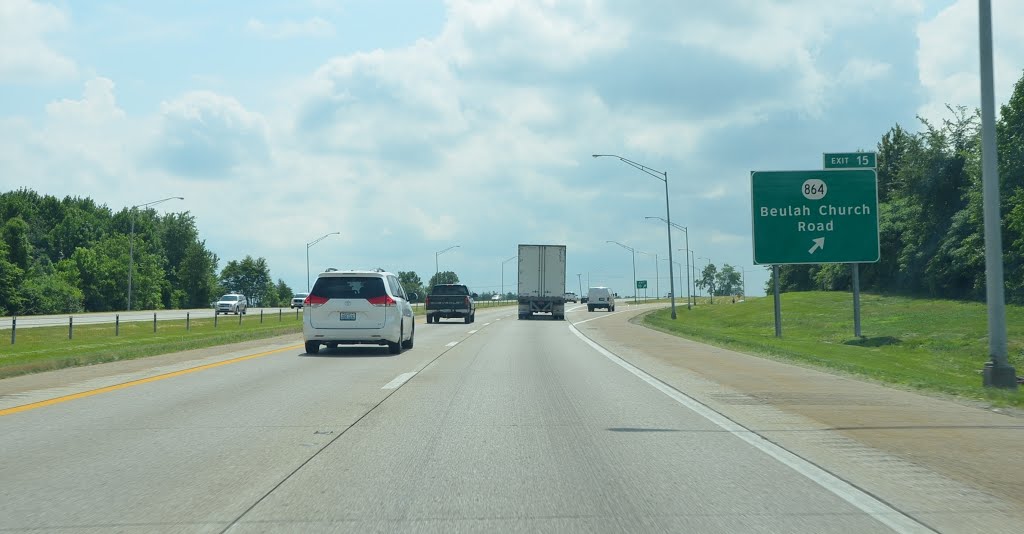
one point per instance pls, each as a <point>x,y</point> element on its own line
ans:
<point>25,55</point>
<point>206,135</point>
<point>948,55</point>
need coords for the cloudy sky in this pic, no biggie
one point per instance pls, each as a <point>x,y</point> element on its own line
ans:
<point>411,126</point>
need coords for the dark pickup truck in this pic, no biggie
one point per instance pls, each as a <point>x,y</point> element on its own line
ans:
<point>450,301</point>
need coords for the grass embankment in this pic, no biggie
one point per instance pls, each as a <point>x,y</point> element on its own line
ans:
<point>933,345</point>
<point>48,348</point>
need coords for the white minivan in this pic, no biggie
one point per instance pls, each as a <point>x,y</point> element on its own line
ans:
<point>358,308</point>
<point>600,297</point>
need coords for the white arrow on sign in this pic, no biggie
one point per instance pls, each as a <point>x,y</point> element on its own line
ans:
<point>818,243</point>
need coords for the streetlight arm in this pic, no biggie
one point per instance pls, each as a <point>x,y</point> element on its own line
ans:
<point>674,225</point>
<point>627,247</point>
<point>155,202</point>
<point>438,253</point>
<point>321,238</point>
<point>655,173</point>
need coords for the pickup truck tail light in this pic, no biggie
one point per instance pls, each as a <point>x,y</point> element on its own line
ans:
<point>383,300</point>
<point>467,302</point>
<point>426,301</point>
<point>314,300</point>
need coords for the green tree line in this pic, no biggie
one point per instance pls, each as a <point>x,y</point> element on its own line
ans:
<point>72,255</point>
<point>931,230</point>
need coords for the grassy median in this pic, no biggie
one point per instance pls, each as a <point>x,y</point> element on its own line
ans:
<point>48,348</point>
<point>932,345</point>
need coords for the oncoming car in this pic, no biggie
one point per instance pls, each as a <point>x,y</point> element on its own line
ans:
<point>298,300</point>
<point>358,308</point>
<point>231,303</point>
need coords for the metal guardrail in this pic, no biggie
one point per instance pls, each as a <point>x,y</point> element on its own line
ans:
<point>115,320</point>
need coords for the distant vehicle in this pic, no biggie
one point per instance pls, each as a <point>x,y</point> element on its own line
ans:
<point>450,301</point>
<point>235,303</point>
<point>358,308</point>
<point>496,297</point>
<point>600,297</point>
<point>571,297</point>
<point>542,281</point>
<point>298,299</point>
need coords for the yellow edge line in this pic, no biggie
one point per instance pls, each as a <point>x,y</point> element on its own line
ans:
<point>115,387</point>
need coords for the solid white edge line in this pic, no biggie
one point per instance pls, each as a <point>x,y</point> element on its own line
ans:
<point>875,508</point>
<point>399,380</point>
<point>473,331</point>
<point>452,344</point>
<point>602,316</point>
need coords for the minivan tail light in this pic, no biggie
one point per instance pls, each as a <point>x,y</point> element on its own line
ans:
<point>383,300</point>
<point>314,300</point>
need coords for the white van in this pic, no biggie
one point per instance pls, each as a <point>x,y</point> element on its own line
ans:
<point>600,297</point>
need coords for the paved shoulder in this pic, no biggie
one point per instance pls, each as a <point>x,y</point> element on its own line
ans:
<point>932,455</point>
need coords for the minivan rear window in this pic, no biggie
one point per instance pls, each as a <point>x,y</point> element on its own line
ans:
<point>349,287</point>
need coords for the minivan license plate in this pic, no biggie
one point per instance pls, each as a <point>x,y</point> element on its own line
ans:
<point>348,316</point>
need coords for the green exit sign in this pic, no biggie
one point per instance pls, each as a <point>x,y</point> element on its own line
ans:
<point>827,216</point>
<point>850,160</point>
<point>641,284</point>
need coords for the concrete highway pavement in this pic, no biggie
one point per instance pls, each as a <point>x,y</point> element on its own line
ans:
<point>493,426</point>
<point>36,321</point>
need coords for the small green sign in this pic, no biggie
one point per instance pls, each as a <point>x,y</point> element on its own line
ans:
<point>641,284</point>
<point>850,160</point>
<point>826,216</point>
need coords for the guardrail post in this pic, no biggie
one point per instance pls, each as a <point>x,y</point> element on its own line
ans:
<point>117,324</point>
<point>188,324</point>
<point>215,315</point>
<point>14,327</point>
<point>261,315</point>
<point>239,319</point>
<point>154,322</point>
<point>71,326</point>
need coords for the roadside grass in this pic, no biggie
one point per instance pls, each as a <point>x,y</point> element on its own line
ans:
<point>48,348</point>
<point>932,345</point>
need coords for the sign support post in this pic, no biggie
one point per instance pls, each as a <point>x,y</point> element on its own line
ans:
<point>824,216</point>
<point>778,305</point>
<point>856,299</point>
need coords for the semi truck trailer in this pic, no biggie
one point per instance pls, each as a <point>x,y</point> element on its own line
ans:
<point>542,281</point>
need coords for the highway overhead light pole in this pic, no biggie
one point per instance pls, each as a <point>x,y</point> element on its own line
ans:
<point>686,232</point>
<point>657,288</point>
<point>503,276</point>
<point>131,242</point>
<point>663,176</point>
<point>436,254</point>
<point>693,267</point>
<point>687,286</point>
<point>998,372</point>
<point>579,278</point>
<point>633,250</point>
<point>310,244</point>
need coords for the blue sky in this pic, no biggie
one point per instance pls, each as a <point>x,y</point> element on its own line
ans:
<point>412,126</point>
